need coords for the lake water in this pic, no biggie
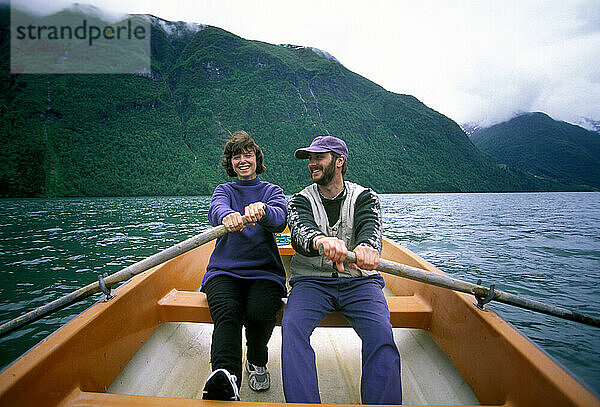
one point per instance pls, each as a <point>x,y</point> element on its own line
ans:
<point>544,246</point>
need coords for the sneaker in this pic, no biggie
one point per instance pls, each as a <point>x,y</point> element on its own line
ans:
<point>221,385</point>
<point>259,378</point>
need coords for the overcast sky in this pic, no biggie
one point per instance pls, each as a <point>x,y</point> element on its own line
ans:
<point>474,61</point>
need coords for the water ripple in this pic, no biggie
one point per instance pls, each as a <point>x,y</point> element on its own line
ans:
<point>541,246</point>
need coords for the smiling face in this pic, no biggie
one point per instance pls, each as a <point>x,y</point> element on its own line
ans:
<point>321,167</point>
<point>244,165</point>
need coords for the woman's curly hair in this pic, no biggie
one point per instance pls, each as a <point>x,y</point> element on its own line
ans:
<point>239,142</point>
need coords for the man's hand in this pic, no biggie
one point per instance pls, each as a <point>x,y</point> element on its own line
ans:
<point>367,258</point>
<point>334,248</point>
<point>254,212</point>
<point>233,222</point>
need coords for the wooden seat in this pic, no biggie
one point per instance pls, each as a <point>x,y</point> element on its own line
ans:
<point>192,306</point>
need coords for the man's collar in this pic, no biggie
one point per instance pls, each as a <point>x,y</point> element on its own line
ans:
<point>341,195</point>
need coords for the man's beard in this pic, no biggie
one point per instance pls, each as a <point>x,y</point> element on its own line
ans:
<point>327,175</point>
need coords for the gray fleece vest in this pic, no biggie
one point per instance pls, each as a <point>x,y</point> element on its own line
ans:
<point>320,266</point>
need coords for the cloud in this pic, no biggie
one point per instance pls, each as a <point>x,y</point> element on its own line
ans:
<point>484,62</point>
<point>539,59</point>
<point>44,8</point>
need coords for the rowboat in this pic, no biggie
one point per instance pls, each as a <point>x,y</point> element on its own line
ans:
<point>149,345</point>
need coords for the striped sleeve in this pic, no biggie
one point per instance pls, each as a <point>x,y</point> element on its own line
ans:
<point>303,227</point>
<point>367,220</point>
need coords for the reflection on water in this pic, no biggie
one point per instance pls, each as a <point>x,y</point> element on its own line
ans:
<point>544,246</point>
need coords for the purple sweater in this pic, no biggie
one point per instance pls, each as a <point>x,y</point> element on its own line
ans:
<point>251,253</point>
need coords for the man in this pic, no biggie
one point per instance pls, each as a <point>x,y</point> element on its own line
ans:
<point>337,216</point>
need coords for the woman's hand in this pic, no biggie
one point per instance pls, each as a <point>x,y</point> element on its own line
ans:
<point>254,212</point>
<point>233,222</point>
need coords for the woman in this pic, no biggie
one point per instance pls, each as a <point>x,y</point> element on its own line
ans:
<point>245,277</point>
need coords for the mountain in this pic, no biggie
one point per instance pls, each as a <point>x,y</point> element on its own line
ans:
<point>536,143</point>
<point>163,133</point>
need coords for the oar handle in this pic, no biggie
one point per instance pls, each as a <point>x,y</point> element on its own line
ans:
<point>115,278</point>
<point>439,280</point>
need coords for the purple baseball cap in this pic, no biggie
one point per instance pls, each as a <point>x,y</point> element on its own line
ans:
<point>323,144</point>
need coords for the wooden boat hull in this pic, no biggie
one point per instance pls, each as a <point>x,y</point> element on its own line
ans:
<point>77,364</point>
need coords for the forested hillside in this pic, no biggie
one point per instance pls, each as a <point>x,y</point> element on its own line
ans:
<point>536,143</point>
<point>163,134</point>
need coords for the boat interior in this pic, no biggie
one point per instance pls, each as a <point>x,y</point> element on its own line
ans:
<point>174,362</point>
<point>150,345</point>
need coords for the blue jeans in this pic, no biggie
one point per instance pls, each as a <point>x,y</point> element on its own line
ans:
<point>363,304</point>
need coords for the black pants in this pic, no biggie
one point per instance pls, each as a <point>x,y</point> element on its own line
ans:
<point>234,302</point>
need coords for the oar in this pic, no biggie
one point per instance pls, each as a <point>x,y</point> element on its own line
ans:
<point>479,291</point>
<point>116,278</point>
